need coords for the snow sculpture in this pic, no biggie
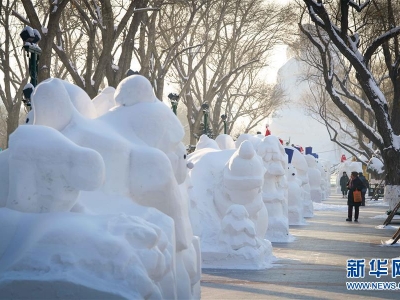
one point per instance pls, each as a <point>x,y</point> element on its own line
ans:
<point>108,250</point>
<point>46,172</point>
<point>206,142</point>
<point>300,163</point>
<point>323,183</point>
<point>237,230</point>
<point>29,117</point>
<point>243,178</point>
<point>140,115</point>
<point>238,235</point>
<point>135,171</point>
<point>104,101</point>
<point>347,166</point>
<point>4,177</point>
<point>314,177</point>
<point>80,100</point>
<point>275,188</point>
<point>227,197</point>
<point>255,140</point>
<point>83,256</point>
<point>225,142</point>
<point>295,193</point>
<point>326,167</point>
<point>138,171</point>
<point>78,97</point>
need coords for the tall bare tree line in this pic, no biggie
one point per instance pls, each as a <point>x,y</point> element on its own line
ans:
<point>213,50</point>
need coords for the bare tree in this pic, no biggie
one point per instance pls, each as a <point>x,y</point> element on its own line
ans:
<point>339,31</point>
<point>92,40</point>
<point>230,47</point>
<point>50,13</point>
<point>13,69</point>
<point>316,100</point>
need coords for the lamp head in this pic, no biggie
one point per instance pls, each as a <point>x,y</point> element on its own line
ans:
<point>174,98</point>
<point>27,90</point>
<point>131,72</point>
<point>204,107</point>
<point>30,35</point>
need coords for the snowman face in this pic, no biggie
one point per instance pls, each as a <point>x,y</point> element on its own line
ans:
<point>291,172</point>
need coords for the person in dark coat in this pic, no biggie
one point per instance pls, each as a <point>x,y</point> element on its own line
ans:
<point>343,184</point>
<point>355,184</point>
<point>366,187</point>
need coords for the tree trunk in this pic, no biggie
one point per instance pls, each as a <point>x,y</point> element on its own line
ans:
<point>392,180</point>
<point>12,120</point>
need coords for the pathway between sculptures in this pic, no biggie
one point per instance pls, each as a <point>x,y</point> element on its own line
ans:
<point>314,266</point>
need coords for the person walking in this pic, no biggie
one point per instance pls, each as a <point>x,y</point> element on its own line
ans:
<point>355,184</point>
<point>366,187</point>
<point>343,184</point>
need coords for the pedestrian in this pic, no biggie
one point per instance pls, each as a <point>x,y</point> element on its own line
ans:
<point>267,131</point>
<point>343,184</point>
<point>366,187</point>
<point>355,184</point>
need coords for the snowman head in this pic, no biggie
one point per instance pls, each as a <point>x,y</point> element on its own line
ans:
<point>291,172</point>
<point>134,89</point>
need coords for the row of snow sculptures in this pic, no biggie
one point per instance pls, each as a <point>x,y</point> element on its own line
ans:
<point>130,235</point>
<point>243,197</point>
<point>228,212</point>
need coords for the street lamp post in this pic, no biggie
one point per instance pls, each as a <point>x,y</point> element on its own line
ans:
<point>224,117</point>
<point>205,108</point>
<point>31,37</point>
<point>174,98</point>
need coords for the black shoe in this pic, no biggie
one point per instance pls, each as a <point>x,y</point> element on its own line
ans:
<point>355,220</point>
<point>348,220</point>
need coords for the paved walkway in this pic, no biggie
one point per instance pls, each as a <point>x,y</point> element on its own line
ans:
<point>314,266</point>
